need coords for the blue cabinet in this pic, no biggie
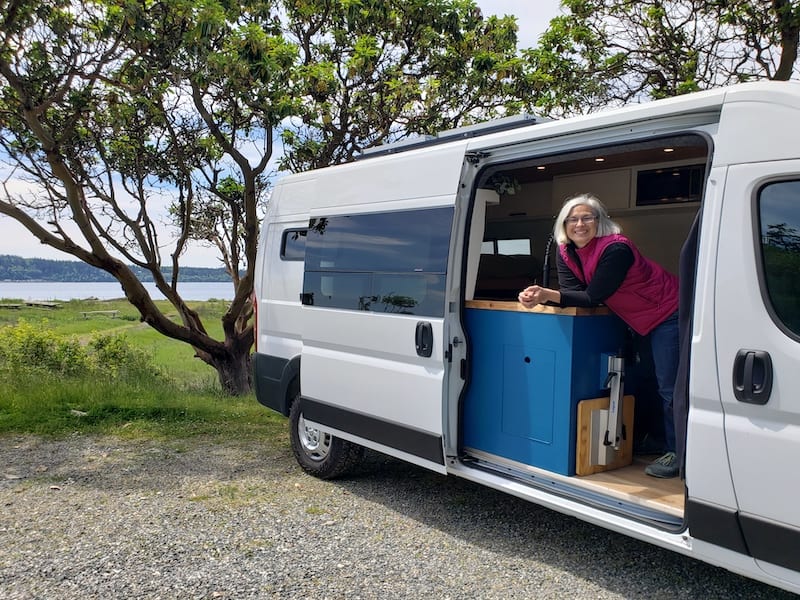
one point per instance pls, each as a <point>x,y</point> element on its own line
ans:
<point>528,370</point>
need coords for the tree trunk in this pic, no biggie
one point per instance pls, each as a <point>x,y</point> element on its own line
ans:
<point>234,372</point>
<point>789,39</point>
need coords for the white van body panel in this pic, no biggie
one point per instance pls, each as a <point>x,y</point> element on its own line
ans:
<point>763,440</point>
<point>403,177</point>
<point>652,116</point>
<point>351,358</point>
<point>775,136</point>
<point>710,478</point>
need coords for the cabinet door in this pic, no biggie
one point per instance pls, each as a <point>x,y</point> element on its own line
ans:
<point>757,329</point>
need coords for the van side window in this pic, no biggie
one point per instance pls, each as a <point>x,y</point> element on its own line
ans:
<point>779,215</point>
<point>393,262</point>
<point>293,244</point>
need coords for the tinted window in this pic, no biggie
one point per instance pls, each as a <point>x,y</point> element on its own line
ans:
<point>779,214</point>
<point>670,185</point>
<point>293,244</point>
<point>383,262</point>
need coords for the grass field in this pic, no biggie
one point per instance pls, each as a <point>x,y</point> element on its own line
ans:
<point>184,399</point>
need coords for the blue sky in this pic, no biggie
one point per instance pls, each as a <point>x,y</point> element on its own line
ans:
<point>533,17</point>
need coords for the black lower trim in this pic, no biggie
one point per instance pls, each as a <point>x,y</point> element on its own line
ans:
<point>751,535</point>
<point>411,441</point>
<point>715,525</point>
<point>773,542</point>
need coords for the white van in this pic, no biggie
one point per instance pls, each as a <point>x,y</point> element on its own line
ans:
<point>387,318</point>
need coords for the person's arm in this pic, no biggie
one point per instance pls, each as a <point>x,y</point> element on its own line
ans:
<point>610,273</point>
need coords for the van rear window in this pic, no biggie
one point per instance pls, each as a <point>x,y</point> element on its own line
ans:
<point>293,244</point>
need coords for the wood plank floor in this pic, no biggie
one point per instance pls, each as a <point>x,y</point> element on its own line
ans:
<point>630,483</point>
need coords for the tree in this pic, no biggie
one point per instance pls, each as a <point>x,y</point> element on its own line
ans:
<point>114,110</point>
<point>143,125</point>
<point>606,52</point>
<point>383,70</point>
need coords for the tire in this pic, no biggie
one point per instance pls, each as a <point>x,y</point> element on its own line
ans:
<point>320,454</point>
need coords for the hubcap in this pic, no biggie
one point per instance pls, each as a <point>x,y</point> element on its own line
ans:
<point>316,444</point>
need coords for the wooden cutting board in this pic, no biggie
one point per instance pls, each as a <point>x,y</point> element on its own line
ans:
<point>583,450</point>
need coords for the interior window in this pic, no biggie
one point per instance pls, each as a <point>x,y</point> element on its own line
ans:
<point>507,247</point>
<point>779,215</point>
<point>670,185</point>
<point>521,246</point>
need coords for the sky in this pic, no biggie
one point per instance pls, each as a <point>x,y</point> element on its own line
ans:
<point>533,16</point>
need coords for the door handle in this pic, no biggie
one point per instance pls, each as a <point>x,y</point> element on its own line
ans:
<point>752,376</point>
<point>424,338</point>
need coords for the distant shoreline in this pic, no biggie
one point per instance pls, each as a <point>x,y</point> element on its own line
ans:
<point>15,269</point>
<point>106,290</point>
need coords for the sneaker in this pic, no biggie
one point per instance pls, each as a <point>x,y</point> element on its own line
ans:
<point>664,467</point>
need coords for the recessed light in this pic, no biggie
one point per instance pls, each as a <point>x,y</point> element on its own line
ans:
<point>669,149</point>
<point>541,168</point>
<point>599,159</point>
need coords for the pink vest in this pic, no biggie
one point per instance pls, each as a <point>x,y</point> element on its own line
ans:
<point>648,294</point>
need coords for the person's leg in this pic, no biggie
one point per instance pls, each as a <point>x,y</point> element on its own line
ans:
<point>665,347</point>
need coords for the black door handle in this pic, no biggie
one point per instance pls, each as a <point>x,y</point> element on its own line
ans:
<point>424,338</point>
<point>752,376</point>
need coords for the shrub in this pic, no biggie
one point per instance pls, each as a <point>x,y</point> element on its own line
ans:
<point>25,347</point>
<point>28,349</point>
<point>117,357</point>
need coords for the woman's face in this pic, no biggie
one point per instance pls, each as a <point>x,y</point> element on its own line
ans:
<point>581,225</point>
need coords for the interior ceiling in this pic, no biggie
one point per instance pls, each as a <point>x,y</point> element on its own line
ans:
<point>614,157</point>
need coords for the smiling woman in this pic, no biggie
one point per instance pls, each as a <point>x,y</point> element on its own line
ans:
<point>597,265</point>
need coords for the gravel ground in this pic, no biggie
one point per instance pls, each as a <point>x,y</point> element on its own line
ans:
<point>90,517</point>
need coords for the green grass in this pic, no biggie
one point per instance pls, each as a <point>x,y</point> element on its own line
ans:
<point>175,357</point>
<point>187,402</point>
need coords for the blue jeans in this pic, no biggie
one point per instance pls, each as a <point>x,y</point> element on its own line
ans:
<point>665,348</point>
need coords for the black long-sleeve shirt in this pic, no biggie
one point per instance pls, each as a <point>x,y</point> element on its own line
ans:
<point>611,270</point>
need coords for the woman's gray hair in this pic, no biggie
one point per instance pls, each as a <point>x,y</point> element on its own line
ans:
<point>605,226</point>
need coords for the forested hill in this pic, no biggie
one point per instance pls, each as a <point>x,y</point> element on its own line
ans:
<point>16,268</point>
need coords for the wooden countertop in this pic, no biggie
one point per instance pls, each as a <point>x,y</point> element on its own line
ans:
<point>539,309</point>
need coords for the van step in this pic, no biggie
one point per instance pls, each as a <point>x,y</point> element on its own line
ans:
<point>562,487</point>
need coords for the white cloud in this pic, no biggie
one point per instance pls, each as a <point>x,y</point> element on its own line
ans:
<point>533,16</point>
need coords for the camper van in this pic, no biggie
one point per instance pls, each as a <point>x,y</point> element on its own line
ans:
<point>387,318</point>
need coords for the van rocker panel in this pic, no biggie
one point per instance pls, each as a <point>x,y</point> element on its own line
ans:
<point>412,441</point>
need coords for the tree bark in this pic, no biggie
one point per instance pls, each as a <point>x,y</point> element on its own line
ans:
<point>789,26</point>
<point>234,371</point>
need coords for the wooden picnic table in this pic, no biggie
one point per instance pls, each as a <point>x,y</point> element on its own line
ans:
<point>111,313</point>
<point>42,304</point>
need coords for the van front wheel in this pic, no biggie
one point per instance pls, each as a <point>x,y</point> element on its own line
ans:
<point>319,453</point>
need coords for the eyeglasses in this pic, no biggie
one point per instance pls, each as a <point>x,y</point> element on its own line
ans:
<point>587,219</point>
